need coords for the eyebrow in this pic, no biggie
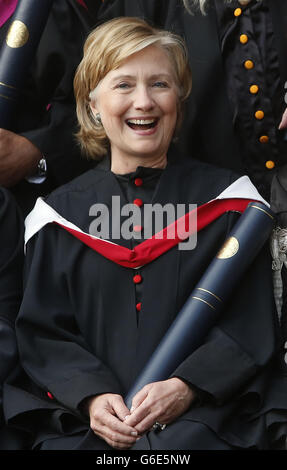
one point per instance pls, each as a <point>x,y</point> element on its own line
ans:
<point>132,77</point>
<point>161,75</point>
<point>121,77</point>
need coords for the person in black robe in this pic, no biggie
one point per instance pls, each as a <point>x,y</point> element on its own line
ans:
<point>87,325</point>
<point>11,289</point>
<point>237,51</point>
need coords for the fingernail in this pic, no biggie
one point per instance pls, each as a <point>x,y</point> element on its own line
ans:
<point>138,439</point>
<point>126,417</point>
<point>132,409</point>
<point>134,433</point>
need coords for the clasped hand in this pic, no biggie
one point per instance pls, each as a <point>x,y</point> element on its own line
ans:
<point>120,427</point>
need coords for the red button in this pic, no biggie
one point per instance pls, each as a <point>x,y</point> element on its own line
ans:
<point>138,181</point>
<point>138,202</point>
<point>139,306</point>
<point>50,395</point>
<point>138,228</point>
<point>137,279</point>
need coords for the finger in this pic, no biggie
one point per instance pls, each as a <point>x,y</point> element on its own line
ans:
<point>104,416</point>
<point>113,437</point>
<point>120,428</point>
<point>147,423</point>
<point>114,444</point>
<point>135,417</point>
<point>140,413</point>
<point>148,412</point>
<point>139,398</point>
<point>117,438</point>
<point>120,408</point>
<point>113,432</point>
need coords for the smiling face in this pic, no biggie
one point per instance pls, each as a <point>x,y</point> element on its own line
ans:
<point>138,106</point>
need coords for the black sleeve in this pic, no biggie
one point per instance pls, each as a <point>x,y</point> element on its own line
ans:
<point>11,256</point>
<point>243,341</point>
<point>11,273</point>
<point>64,364</point>
<point>8,355</point>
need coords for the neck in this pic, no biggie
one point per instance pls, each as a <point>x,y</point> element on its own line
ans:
<point>122,165</point>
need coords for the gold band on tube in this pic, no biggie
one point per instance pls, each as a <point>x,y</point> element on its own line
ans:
<point>207,303</point>
<point>265,212</point>
<point>211,293</point>
<point>6,97</point>
<point>8,86</point>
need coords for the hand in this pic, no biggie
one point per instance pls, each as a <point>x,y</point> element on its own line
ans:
<point>18,158</point>
<point>107,413</point>
<point>159,401</point>
<point>283,123</point>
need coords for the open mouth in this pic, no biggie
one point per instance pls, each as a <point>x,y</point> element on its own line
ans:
<point>142,124</point>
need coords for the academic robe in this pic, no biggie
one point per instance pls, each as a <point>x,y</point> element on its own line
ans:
<point>80,333</point>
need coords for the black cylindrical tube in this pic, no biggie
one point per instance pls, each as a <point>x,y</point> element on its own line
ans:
<point>18,51</point>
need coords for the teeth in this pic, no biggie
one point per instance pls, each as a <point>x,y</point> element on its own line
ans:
<point>141,122</point>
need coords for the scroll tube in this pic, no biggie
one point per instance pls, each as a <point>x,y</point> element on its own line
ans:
<point>202,308</point>
<point>18,51</point>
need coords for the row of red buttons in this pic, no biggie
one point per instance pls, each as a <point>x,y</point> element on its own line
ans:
<point>138,202</point>
<point>137,279</point>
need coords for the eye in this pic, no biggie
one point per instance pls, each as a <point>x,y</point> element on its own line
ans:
<point>160,84</point>
<point>123,86</point>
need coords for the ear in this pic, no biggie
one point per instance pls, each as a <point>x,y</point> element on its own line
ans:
<point>93,107</point>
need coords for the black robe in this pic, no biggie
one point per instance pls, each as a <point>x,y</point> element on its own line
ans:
<point>11,269</point>
<point>80,334</point>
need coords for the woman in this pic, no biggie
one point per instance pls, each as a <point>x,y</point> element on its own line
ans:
<point>90,318</point>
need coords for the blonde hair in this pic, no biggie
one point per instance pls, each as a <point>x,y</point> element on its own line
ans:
<point>105,49</point>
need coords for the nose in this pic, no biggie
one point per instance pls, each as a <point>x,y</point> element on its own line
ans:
<point>143,98</point>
